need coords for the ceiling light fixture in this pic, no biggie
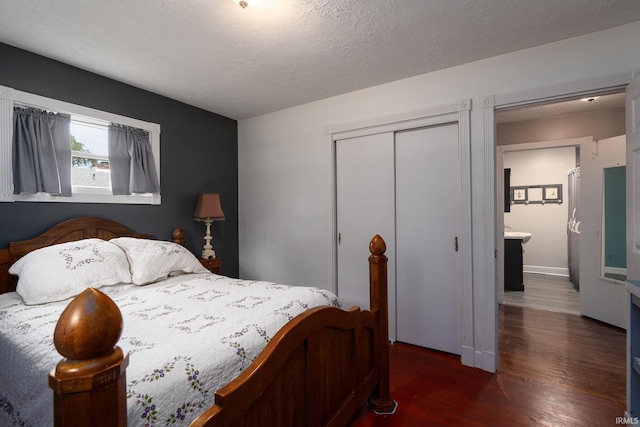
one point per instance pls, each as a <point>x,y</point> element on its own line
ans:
<point>245,3</point>
<point>590,99</point>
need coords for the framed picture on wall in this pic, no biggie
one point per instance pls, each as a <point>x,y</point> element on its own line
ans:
<point>551,193</point>
<point>519,194</point>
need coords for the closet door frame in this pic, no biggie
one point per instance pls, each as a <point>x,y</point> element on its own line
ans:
<point>460,114</point>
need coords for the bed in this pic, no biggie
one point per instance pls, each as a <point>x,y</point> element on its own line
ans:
<point>141,352</point>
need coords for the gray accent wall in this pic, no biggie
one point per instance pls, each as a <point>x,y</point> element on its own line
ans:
<point>199,153</point>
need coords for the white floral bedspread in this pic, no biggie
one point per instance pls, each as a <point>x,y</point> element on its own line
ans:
<point>186,337</point>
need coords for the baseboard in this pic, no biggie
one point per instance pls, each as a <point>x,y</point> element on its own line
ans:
<point>468,357</point>
<point>552,271</point>
<point>485,360</point>
<point>489,361</point>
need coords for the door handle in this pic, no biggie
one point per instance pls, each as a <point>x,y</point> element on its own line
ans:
<point>339,238</point>
<point>455,243</point>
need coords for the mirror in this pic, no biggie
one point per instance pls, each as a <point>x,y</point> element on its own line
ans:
<point>614,250</point>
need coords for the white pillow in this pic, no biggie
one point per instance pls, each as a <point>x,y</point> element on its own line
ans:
<point>153,260</point>
<point>62,271</point>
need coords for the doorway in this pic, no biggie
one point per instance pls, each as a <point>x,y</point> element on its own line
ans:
<point>533,128</point>
<point>545,254</point>
<point>530,133</point>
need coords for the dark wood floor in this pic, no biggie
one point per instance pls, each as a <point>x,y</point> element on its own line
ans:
<point>555,369</point>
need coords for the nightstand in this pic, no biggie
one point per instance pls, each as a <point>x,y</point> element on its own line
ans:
<point>211,264</point>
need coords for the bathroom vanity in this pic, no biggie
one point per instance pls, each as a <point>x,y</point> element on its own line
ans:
<point>513,276</point>
<point>513,260</point>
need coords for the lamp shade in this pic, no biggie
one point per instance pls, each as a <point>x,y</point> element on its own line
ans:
<point>208,207</point>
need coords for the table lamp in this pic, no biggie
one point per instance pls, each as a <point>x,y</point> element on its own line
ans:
<point>208,209</point>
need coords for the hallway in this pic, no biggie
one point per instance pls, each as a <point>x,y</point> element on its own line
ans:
<point>546,292</point>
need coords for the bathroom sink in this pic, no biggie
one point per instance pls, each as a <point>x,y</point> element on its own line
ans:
<point>525,237</point>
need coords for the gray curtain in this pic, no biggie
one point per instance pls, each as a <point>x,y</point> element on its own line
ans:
<point>131,161</point>
<point>573,228</point>
<point>41,152</point>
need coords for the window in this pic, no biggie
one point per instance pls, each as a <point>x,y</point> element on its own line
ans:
<point>89,157</point>
<point>90,168</point>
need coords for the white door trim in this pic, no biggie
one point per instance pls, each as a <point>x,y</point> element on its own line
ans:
<point>491,103</point>
<point>451,113</point>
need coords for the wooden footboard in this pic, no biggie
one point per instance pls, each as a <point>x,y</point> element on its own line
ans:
<point>319,368</point>
<point>317,372</point>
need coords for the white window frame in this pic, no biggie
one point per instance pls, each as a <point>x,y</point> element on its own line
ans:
<point>9,97</point>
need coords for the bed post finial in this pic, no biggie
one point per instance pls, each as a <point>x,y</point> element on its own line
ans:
<point>89,327</point>
<point>380,401</point>
<point>377,246</point>
<point>178,236</point>
<point>94,369</point>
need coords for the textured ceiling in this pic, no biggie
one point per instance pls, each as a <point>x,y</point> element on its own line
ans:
<point>246,62</point>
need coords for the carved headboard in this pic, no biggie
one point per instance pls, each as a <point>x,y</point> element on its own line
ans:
<point>67,231</point>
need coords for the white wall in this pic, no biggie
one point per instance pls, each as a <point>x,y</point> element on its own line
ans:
<point>546,252</point>
<point>285,187</point>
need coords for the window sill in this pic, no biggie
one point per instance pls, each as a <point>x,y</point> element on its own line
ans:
<point>154,199</point>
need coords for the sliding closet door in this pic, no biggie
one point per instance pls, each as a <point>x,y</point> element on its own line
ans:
<point>365,207</point>
<point>427,228</point>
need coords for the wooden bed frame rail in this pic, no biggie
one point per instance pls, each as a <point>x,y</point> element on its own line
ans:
<point>316,371</point>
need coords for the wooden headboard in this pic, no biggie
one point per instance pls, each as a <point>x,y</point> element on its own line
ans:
<point>67,231</point>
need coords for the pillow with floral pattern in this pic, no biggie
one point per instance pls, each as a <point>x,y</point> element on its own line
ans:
<point>64,270</point>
